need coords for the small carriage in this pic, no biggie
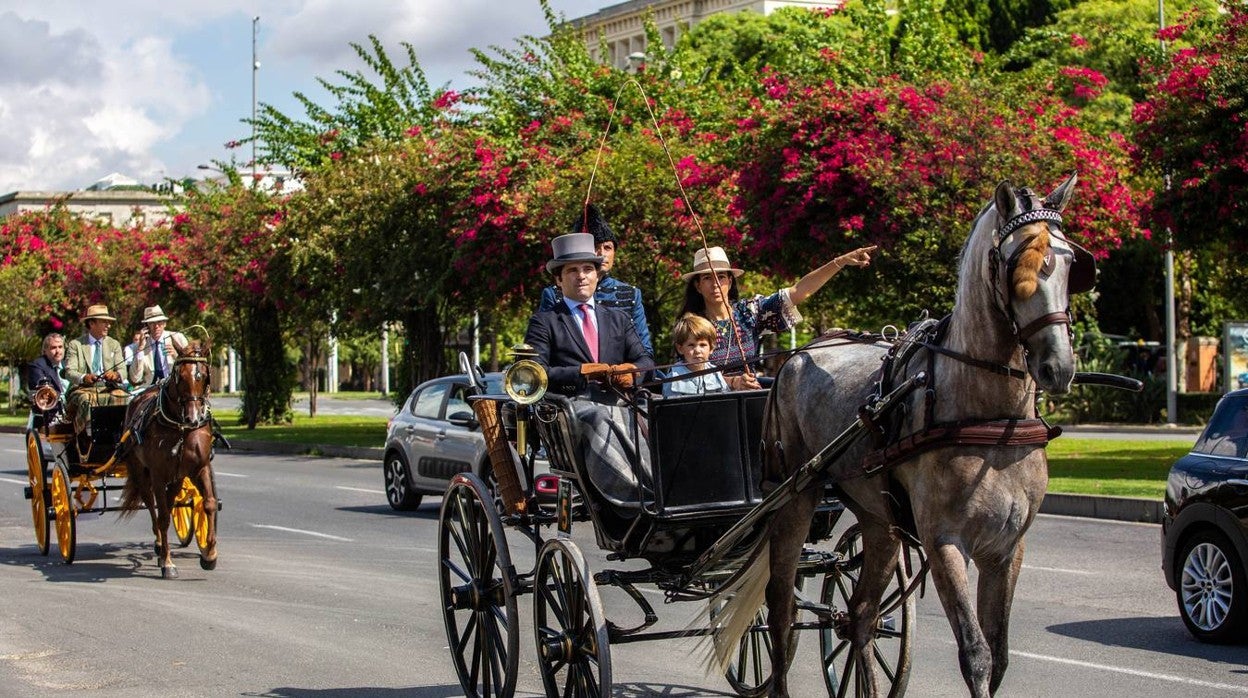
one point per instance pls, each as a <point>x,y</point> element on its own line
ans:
<point>73,475</point>
<point>694,518</point>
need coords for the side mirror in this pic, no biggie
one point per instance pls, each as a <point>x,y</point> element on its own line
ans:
<point>463,419</point>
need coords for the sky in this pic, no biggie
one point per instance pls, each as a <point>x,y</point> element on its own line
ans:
<point>151,88</point>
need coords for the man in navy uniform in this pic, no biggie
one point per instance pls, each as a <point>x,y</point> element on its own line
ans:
<point>611,292</point>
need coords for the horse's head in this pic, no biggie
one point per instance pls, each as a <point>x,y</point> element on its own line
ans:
<point>189,384</point>
<point>1033,270</point>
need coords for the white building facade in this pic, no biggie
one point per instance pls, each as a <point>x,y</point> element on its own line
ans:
<point>622,30</point>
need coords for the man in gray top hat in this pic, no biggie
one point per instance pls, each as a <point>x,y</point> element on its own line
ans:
<point>156,349</point>
<point>610,292</point>
<point>586,347</point>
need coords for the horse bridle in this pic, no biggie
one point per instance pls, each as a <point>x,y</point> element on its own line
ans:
<point>1080,278</point>
<point>182,402</point>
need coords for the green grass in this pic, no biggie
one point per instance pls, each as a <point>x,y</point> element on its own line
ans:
<point>329,430</point>
<point>1117,467</point>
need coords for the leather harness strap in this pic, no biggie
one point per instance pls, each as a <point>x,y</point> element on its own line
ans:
<point>993,432</point>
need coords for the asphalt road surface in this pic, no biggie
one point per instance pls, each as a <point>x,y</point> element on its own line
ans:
<point>323,591</point>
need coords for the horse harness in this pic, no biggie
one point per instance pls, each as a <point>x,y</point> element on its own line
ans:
<point>156,408</point>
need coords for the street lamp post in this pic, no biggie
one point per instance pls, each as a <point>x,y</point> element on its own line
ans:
<point>1172,364</point>
<point>255,69</point>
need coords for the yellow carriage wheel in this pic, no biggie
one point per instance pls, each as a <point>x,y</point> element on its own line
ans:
<point>38,473</point>
<point>201,517</point>
<point>64,513</point>
<point>184,513</point>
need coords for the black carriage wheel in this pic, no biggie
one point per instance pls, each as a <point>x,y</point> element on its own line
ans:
<point>65,514</point>
<point>749,672</point>
<point>573,651</point>
<point>37,470</point>
<point>894,629</point>
<point>477,583</point>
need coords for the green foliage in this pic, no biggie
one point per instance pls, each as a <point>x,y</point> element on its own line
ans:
<point>366,109</point>
<point>1093,404</point>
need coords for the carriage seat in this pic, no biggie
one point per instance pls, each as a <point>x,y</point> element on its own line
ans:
<point>705,450</point>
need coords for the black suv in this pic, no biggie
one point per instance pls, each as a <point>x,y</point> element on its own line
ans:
<point>1204,531</point>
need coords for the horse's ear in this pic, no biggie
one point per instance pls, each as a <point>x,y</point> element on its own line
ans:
<point>180,350</point>
<point>1058,198</point>
<point>1005,200</point>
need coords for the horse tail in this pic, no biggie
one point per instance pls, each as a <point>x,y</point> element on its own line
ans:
<point>132,491</point>
<point>742,598</point>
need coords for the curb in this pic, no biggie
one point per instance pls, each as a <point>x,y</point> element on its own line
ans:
<point>330,451</point>
<point>1102,507</point>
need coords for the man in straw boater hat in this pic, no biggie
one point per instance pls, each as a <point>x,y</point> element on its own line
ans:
<point>91,367</point>
<point>156,350</point>
<point>587,348</point>
<point>610,292</point>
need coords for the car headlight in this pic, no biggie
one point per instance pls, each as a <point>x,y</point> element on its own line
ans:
<point>525,381</point>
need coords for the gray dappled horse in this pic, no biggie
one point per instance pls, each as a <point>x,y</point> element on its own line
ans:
<point>1007,336</point>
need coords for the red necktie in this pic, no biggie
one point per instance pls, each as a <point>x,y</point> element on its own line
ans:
<point>590,332</point>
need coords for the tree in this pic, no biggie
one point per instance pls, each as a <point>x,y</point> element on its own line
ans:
<point>233,252</point>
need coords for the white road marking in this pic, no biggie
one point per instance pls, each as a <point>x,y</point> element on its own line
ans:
<point>1134,672</point>
<point>15,482</point>
<point>306,533</point>
<point>218,472</point>
<point>1057,569</point>
<point>357,489</point>
<point>15,450</point>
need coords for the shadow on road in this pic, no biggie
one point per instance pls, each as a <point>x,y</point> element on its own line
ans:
<point>426,511</point>
<point>1165,635</point>
<point>95,562</point>
<point>361,692</point>
<point>625,690</point>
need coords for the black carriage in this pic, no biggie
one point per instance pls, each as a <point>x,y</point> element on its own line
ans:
<point>73,475</point>
<point>700,509</point>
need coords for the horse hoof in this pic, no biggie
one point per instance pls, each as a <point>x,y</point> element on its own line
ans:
<point>208,564</point>
<point>169,572</point>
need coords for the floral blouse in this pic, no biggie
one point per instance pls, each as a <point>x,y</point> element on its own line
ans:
<point>755,317</point>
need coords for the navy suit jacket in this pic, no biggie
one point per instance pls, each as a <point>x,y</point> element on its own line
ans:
<point>561,349</point>
<point>42,370</point>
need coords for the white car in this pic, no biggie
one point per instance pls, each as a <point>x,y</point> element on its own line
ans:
<point>435,436</point>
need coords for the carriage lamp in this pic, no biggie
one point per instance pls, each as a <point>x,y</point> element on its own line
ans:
<point>525,381</point>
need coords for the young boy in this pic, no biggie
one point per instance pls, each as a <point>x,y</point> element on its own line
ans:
<point>695,337</point>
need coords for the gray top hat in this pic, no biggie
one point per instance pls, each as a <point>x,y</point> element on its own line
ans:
<point>573,247</point>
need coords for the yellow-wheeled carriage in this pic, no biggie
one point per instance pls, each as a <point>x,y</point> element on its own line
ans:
<point>72,475</point>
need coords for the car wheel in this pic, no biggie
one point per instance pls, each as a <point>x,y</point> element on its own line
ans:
<point>398,486</point>
<point>1213,589</point>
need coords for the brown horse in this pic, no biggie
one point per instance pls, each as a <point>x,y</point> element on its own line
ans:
<point>1007,336</point>
<point>170,439</point>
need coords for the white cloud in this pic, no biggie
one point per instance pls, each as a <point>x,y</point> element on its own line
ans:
<point>91,88</point>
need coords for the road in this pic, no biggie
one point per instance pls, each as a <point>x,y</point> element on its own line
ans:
<point>322,591</point>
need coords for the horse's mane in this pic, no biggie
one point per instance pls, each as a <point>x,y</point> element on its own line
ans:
<point>1027,269</point>
<point>1035,239</point>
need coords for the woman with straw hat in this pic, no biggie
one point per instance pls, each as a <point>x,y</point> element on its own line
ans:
<point>711,291</point>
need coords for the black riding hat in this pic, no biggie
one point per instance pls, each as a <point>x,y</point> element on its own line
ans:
<point>591,221</point>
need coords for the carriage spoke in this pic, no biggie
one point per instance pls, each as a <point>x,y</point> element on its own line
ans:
<point>467,635</point>
<point>882,662</point>
<point>457,570</point>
